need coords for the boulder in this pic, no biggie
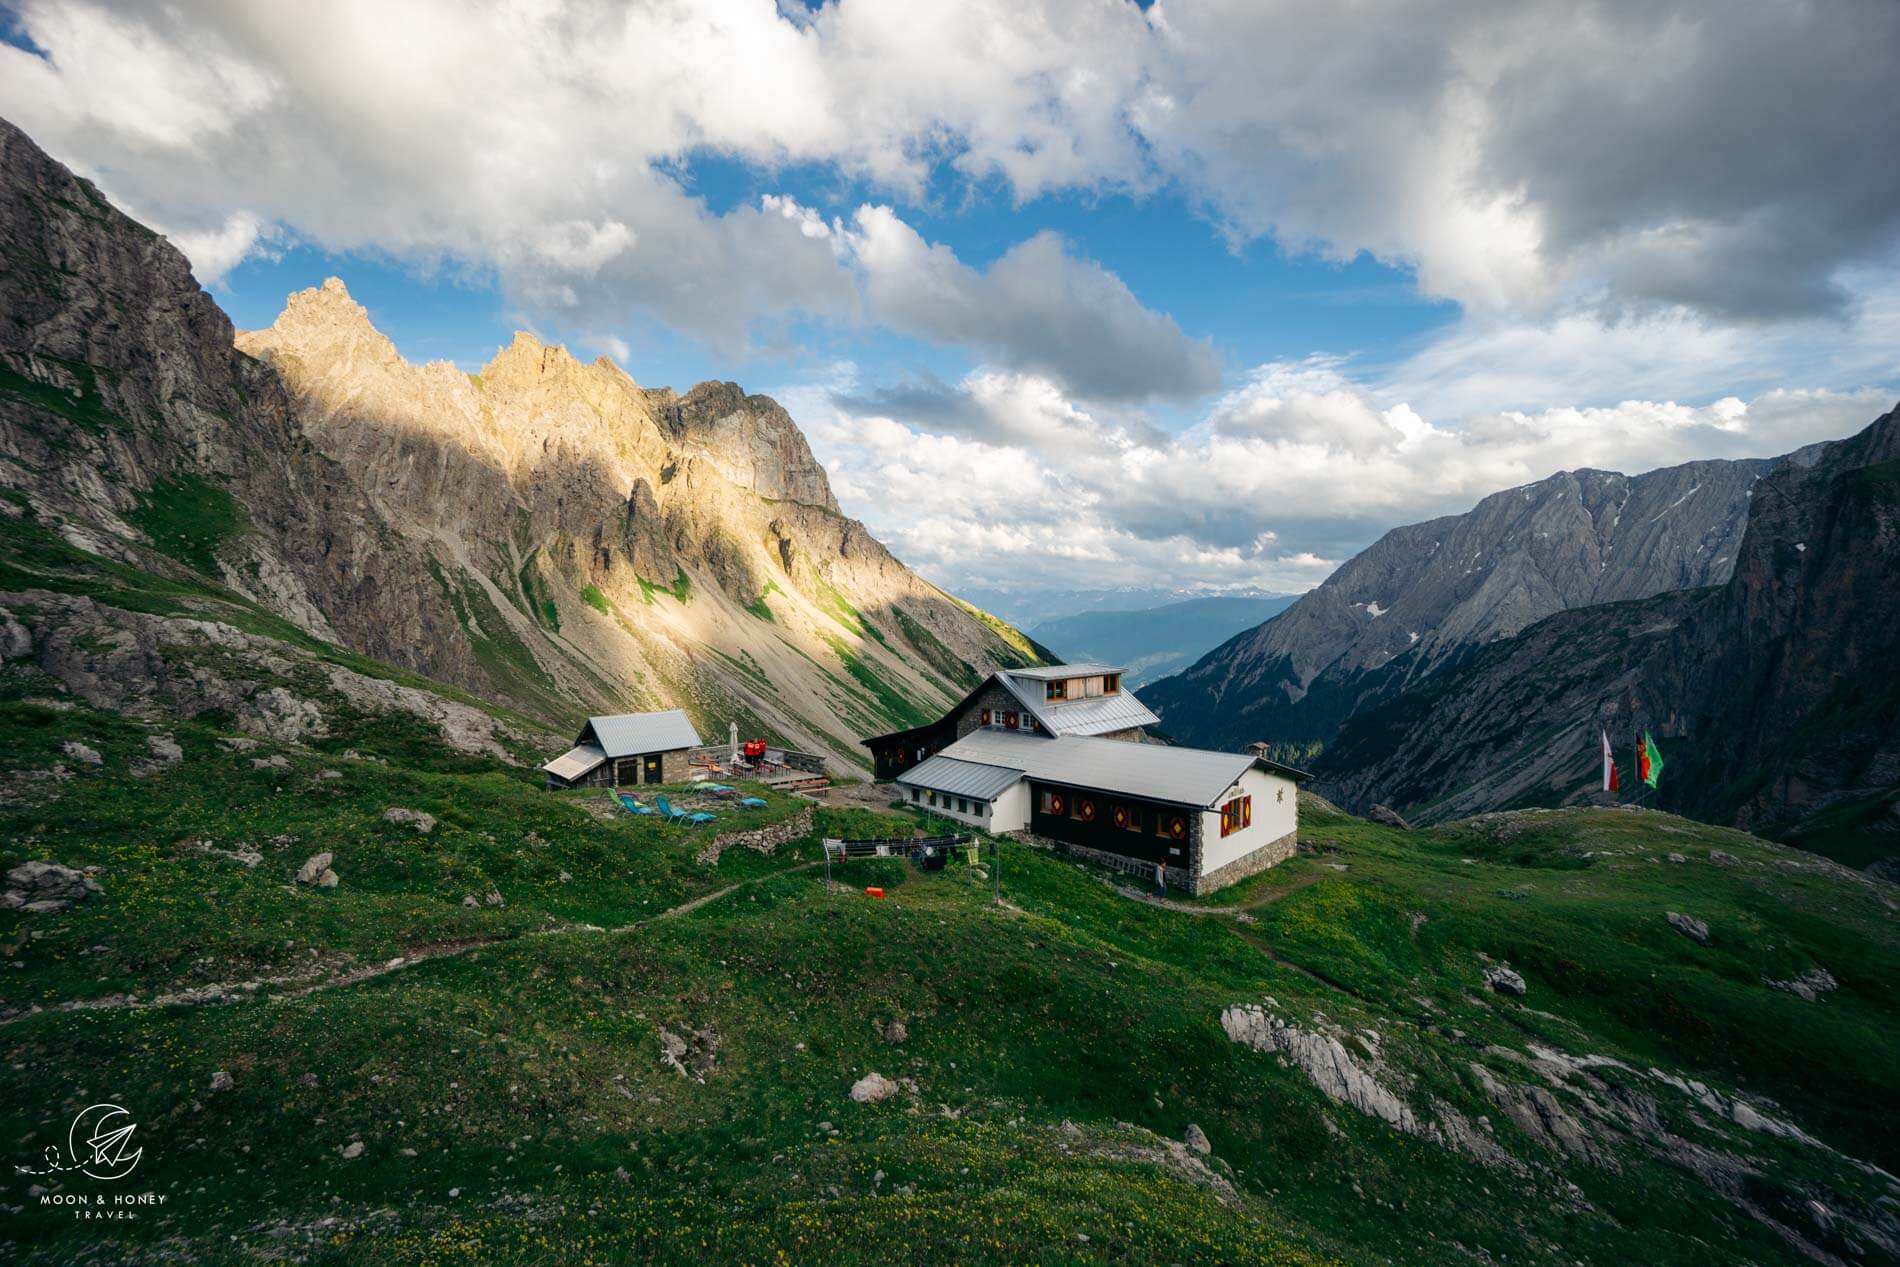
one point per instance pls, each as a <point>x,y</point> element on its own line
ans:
<point>45,887</point>
<point>1810,985</point>
<point>352,1150</point>
<point>1502,979</point>
<point>1689,926</point>
<point>422,822</point>
<point>316,870</point>
<point>1197,1141</point>
<point>222,1081</point>
<point>1721,859</point>
<point>85,754</point>
<point>163,753</point>
<point>873,1088</point>
<point>895,1033</point>
<point>1386,816</point>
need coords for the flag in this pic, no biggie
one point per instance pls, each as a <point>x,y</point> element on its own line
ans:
<point>1650,759</point>
<point>1609,764</point>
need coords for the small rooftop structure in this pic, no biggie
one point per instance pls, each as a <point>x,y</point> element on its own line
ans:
<point>626,748</point>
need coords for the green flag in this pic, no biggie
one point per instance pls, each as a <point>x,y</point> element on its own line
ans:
<point>1652,761</point>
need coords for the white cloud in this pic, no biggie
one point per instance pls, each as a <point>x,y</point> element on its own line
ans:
<point>1285,477</point>
<point>1529,161</point>
<point>215,252</point>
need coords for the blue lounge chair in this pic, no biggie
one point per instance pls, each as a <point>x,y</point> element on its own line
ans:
<point>716,787</point>
<point>681,816</point>
<point>752,802</point>
<point>634,807</point>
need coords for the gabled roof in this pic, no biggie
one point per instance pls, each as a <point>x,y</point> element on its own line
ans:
<point>1091,715</point>
<point>575,762</point>
<point>961,778</point>
<point>629,734</point>
<point>1154,772</point>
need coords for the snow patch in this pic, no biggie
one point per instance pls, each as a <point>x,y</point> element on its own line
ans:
<point>1375,611</point>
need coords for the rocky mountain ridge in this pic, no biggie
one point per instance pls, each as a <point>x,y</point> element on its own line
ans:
<point>1425,592</point>
<point>547,533</point>
<point>1773,693</point>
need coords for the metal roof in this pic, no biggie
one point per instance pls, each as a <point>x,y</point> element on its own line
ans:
<point>575,762</point>
<point>1055,672</point>
<point>961,778</point>
<point>1092,715</point>
<point>1156,772</point>
<point>629,734</point>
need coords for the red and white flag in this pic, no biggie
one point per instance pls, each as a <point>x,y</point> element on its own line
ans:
<point>1609,764</point>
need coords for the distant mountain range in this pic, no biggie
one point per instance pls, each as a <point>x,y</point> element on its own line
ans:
<point>1028,606</point>
<point>1775,695</point>
<point>1155,641</point>
<point>1423,593</point>
<point>1741,611</point>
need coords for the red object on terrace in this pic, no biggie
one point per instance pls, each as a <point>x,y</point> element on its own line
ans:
<point>875,892</point>
<point>753,749</point>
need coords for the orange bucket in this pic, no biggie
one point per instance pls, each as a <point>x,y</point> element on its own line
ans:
<point>874,892</point>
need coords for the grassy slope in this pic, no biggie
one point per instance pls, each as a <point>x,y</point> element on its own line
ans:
<point>525,1074</point>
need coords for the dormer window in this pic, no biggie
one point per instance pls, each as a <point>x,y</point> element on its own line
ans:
<point>1058,689</point>
<point>1111,683</point>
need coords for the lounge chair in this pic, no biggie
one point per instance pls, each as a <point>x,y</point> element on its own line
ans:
<point>752,802</point>
<point>633,806</point>
<point>681,816</point>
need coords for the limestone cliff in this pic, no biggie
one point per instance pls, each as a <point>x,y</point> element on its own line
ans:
<point>546,533</point>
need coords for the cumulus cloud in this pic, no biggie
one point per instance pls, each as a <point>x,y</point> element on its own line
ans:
<point>215,252</point>
<point>1527,159</point>
<point>1285,477</point>
<point>1037,308</point>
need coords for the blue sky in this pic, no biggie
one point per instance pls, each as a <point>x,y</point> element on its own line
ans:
<point>1064,295</point>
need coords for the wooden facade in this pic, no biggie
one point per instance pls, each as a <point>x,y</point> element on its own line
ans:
<point>1143,830</point>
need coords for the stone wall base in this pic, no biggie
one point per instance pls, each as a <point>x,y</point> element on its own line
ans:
<point>1270,854</point>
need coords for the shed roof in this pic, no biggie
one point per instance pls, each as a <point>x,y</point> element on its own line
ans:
<point>1056,672</point>
<point>1155,772</point>
<point>575,762</point>
<point>629,734</point>
<point>961,778</point>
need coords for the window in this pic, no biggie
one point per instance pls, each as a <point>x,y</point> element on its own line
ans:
<point>1055,803</point>
<point>963,806</point>
<point>979,808</point>
<point>1126,817</point>
<point>915,796</point>
<point>1236,815</point>
<point>1085,808</point>
<point>933,798</point>
<point>1111,684</point>
<point>985,717</point>
<point>1009,720</point>
<point>1055,690</point>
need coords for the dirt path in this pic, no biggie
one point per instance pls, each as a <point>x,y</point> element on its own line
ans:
<point>310,982</point>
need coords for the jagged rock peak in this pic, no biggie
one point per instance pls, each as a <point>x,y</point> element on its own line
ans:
<point>329,314</point>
